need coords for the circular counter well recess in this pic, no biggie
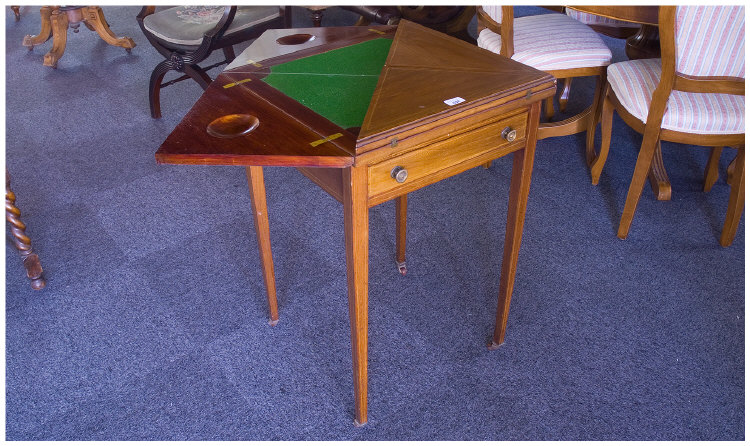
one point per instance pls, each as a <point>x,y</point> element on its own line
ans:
<point>295,39</point>
<point>231,126</point>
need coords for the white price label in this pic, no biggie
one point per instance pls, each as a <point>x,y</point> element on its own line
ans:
<point>454,101</point>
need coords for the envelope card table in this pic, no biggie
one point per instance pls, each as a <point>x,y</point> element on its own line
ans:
<point>369,114</point>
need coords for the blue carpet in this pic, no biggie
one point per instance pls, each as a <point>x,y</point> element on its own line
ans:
<point>153,324</point>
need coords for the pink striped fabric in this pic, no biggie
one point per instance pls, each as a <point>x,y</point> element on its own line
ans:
<point>495,12</point>
<point>551,42</point>
<point>593,19</point>
<point>634,82</point>
<point>710,40</point>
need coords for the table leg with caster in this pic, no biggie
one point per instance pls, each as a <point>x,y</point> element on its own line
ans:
<point>401,234</point>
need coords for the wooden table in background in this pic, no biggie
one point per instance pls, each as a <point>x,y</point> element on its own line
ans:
<point>440,106</point>
<point>643,45</point>
<point>55,22</point>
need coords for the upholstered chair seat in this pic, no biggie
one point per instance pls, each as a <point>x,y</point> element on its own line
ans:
<point>634,81</point>
<point>187,35</point>
<point>551,42</point>
<point>186,25</point>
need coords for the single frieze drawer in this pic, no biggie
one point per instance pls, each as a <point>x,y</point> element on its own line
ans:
<point>420,167</point>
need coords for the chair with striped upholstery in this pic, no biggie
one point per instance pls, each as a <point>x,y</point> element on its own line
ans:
<point>617,29</point>
<point>693,95</point>
<point>575,51</point>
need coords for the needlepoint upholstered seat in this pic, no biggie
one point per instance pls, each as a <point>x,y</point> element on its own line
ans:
<point>187,35</point>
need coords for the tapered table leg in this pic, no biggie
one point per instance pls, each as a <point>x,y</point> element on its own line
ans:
<point>356,227</point>
<point>523,163</point>
<point>263,234</point>
<point>401,234</point>
<point>46,31</point>
<point>20,239</point>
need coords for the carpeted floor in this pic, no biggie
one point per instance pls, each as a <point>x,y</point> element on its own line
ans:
<point>153,324</point>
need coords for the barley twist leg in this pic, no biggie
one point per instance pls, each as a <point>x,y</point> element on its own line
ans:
<point>20,239</point>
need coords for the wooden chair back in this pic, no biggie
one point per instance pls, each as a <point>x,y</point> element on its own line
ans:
<point>702,49</point>
<point>499,20</point>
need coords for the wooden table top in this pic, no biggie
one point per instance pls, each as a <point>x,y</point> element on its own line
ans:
<point>646,15</point>
<point>426,76</point>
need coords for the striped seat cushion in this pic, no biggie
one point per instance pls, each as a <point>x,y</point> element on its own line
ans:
<point>634,81</point>
<point>551,42</point>
<point>593,19</point>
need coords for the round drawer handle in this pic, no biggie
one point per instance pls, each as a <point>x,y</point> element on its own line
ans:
<point>399,174</point>
<point>509,134</point>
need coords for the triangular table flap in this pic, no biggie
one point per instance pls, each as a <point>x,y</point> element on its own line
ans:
<point>418,46</point>
<point>277,139</point>
<point>408,94</point>
<point>266,49</point>
<point>418,86</point>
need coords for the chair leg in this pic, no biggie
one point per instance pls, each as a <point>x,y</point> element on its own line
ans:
<point>642,165</point>
<point>711,173</point>
<point>736,200</point>
<point>565,94</point>
<point>730,169</point>
<point>198,74</point>
<point>228,53</point>
<point>549,108</point>
<point>596,162</point>
<point>596,114</point>
<point>154,87</point>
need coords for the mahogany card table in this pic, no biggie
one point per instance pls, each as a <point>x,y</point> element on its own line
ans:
<point>369,114</point>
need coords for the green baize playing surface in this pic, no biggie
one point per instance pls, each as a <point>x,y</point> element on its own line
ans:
<point>337,84</point>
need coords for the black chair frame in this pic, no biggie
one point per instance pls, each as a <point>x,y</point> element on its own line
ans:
<point>185,58</point>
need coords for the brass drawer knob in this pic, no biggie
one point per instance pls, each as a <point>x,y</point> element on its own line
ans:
<point>509,134</point>
<point>399,174</point>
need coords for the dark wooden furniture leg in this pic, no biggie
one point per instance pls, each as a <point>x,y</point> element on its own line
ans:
<point>263,234</point>
<point>316,14</point>
<point>523,162</point>
<point>17,12</point>
<point>356,228</point>
<point>20,239</point>
<point>644,44</point>
<point>401,234</point>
